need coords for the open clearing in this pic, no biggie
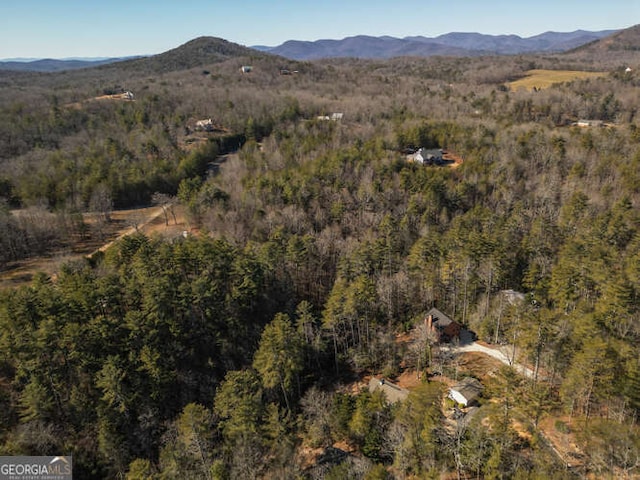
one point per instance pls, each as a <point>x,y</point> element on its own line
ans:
<point>545,78</point>
<point>148,220</point>
<point>116,96</point>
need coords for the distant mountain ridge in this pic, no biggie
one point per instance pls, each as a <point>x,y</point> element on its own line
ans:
<point>57,65</point>
<point>362,46</point>
<point>210,50</point>
<point>452,44</point>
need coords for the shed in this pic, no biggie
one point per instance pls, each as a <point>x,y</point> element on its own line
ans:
<point>466,391</point>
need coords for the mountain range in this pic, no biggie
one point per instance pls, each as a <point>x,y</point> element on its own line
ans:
<point>450,44</point>
<point>203,50</point>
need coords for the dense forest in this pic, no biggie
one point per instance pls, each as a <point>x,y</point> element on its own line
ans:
<point>236,352</point>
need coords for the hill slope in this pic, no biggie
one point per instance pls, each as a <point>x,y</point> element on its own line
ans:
<point>621,48</point>
<point>624,40</point>
<point>202,52</point>
<point>195,53</point>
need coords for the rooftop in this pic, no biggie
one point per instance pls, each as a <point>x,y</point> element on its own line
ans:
<point>393,392</point>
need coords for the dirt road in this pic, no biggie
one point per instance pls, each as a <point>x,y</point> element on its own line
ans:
<point>498,354</point>
<point>123,222</point>
<point>150,214</point>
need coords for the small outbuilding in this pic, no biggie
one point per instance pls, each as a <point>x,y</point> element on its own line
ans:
<point>466,391</point>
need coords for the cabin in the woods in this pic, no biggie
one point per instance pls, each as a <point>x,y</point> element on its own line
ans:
<point>466,391</point>
<point>443,328</point>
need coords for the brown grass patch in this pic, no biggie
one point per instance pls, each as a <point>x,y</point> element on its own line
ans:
<point>408,379</point>
<point>479,365</point>
<point>545,78</point>
<point>564,442</point>
<point>452,159</point>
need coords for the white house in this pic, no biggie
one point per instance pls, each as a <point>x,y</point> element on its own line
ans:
<point>589,123</point>
<point>334,117</point>
<point>246,69</point>
<point>205,125</point>
<point>465,391</point>
<point>428,156</point>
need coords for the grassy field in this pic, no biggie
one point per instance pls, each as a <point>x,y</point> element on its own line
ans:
<point>546,78</point>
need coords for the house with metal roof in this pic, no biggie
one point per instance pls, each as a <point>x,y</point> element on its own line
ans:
<point>393,392</point>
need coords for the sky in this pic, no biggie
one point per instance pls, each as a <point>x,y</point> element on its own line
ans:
<point>116,28</point>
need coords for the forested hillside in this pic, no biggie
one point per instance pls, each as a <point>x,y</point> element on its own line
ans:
<point>238,351</point>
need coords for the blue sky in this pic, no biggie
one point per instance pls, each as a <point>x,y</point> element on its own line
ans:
<point>91,28</point>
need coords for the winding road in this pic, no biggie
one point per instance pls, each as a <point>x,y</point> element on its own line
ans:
<point>499,354</point>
